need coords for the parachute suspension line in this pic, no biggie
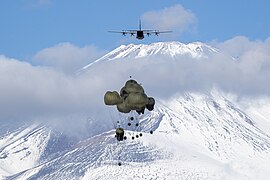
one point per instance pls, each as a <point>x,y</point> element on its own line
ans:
<point>117,149</point>
<point>138,127</point>
<point>120,149</point>
<point>116,124</point>
<point>111,118</point>
<point>151,124</point>
<point>120,120</point>
<point>115,152</point>
<point>118,153</point>
<point>133,122</point>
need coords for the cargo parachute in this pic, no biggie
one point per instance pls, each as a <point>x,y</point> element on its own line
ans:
<point>131,97</point>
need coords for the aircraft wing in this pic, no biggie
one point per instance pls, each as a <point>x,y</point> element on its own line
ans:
<point>156,32</point>
<point>164,31</point>
<point>124,32</point>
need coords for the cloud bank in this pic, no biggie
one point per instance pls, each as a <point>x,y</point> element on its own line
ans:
<point>67,57</point>
<point>250,74</point>
<point>175,18</point>
<point>44,94</point>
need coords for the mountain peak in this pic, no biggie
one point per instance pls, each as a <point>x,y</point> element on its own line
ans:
<point>171,49</point>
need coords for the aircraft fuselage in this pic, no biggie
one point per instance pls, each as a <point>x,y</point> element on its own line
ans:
<point>140,35</point>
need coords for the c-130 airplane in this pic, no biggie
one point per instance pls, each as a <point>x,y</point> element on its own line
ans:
<point>140,32</point>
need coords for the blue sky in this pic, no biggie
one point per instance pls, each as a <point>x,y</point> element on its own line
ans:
<point>28,26</point>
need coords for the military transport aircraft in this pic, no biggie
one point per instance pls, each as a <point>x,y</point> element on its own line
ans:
<point>140,32</point>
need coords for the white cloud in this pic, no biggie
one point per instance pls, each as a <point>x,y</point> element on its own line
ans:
<point>42,93</point>
<point>67,57</point>
<point>30,93</point>
<point>175,18</point>
<point>237,45</point>
<point>252,66</point>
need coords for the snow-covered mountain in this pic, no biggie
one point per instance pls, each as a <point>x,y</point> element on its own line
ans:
<point>167,49</point>
<point>22,149</point>
<point>28,146</point>
<point>197,135</point>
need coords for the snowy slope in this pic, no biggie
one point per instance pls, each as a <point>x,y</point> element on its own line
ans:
<point>206,136</point>
<point>22,149</point>
<point>259,110</point>
<point>29,146</point>
<point>196,136</point>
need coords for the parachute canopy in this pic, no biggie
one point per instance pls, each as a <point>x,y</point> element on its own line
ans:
<point>131,97</point>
